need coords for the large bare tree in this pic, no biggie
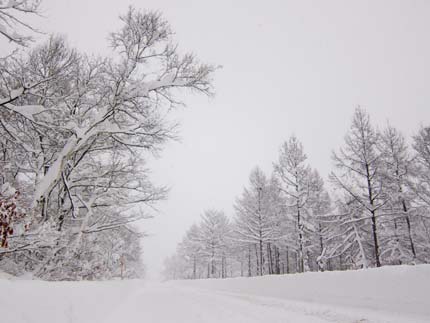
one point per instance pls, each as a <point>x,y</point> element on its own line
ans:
<point>79,128</point>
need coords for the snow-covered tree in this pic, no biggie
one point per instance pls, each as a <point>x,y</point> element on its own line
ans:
<point>376,215</point>
<point>294,176</point>
<point>215,237</point>
<point>192,249</point>
<point>358,174</point>
<point>320,206</point>
<point>347,238</point>
<point>421,189</point>
<point>421,147</point>
<point>204,250</point>
<point>397,171</point>
<point>77,128</point>
<point>254,222</point>
<point>281,224</point>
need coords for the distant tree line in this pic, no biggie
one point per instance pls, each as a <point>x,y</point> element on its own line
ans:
<point>376,213</point>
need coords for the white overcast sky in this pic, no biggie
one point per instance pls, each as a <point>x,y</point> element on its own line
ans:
<point>288,67</point>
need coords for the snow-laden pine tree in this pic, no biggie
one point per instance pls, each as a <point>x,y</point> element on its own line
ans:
<point>359,175</point>
<point>192,250</point>
<point>255,224</point>
<point>421,189</point>
<point>295,178</point>
<point>320,207</point>
<point>346,235</point>
<point>397,168</point>
<point>280,224</point>
<point>215,232</point>
<point>205,249</point>
<point>421,147</point>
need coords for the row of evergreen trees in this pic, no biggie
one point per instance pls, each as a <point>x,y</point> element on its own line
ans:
<point>374,213</point>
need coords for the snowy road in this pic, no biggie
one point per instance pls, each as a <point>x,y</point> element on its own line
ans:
<point>139,302</point>
<point>386,295</point>
<point>166,303</point>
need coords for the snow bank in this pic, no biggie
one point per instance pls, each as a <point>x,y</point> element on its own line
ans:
<point>398,290</point>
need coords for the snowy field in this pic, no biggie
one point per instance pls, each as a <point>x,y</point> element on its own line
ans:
<point>390,294</point>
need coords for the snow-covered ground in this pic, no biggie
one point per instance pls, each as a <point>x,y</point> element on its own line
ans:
<point>390,294</point>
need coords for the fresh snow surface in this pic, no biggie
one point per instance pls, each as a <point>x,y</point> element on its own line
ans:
<point>389,294</point>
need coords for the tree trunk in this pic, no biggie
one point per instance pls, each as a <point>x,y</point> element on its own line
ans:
<point>277,261</point>
<point>320,262</point>
<point>408,223</point>
<point>260,232</point>
<point>375,240</point>
<point>261,258</point>
<point>249,261</point>
<point>213,263</point>
<point>241,268</point>
<point>194,267</point>
<point>269,259</point>
<point>397,239</point>
<point>301,264</point>
<point>222,267</point>
<point>257,258</point>
<point>373,213</point>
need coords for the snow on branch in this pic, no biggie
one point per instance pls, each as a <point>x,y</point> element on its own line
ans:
<point>12,14</point>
